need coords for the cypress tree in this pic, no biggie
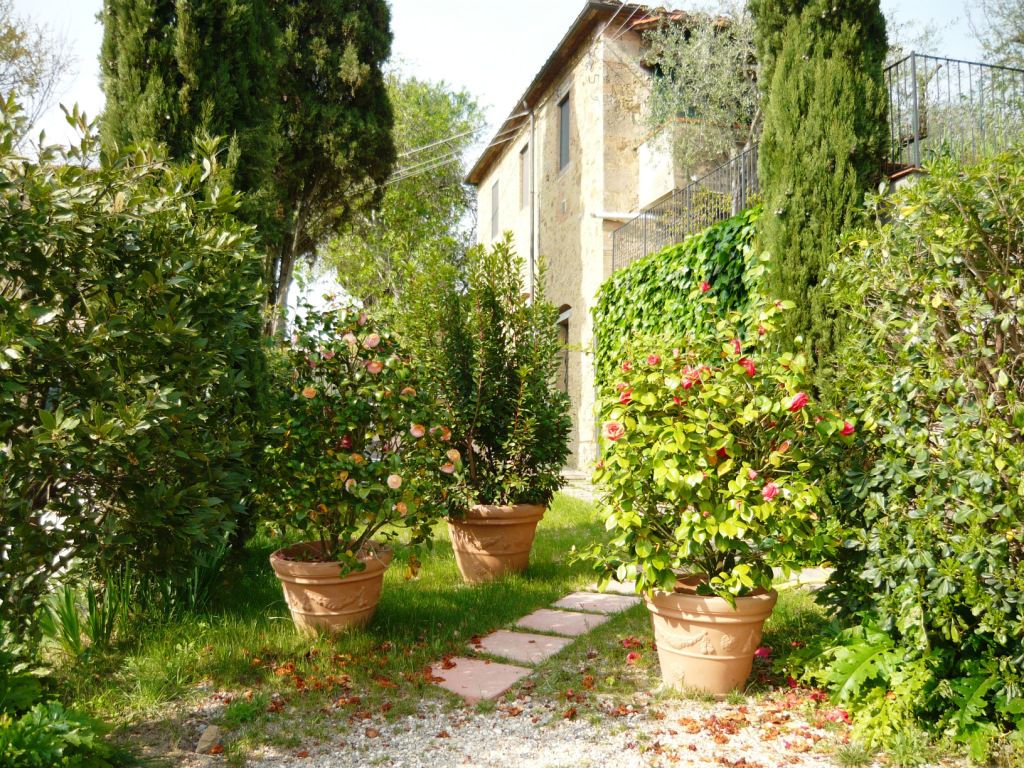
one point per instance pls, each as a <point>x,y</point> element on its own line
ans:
<point>821,149</point>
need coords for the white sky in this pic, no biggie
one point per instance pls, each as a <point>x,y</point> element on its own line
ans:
<point>492,48</point>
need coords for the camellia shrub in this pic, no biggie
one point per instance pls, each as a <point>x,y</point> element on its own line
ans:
<point>931,574</point>
<point>491,352</point>
<point>131,363</point>
<point>359,449</point>
<point>711,455</point>
<point>648,302</point>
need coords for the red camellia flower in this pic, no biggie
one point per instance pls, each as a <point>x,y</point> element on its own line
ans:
<point>626,396</point>
<point>763,652</point>
<point>653,360</point>
<point>770,491</point>
<point>847,430</point>
<point>346,442</point>
<point>761,330</point>
<point>737,347</point>
<point>705,287</point>
<point>748,365</point>
<point>721,453</point>
<point>677,400</point>
<point>799,400</point>
<point>627,366</point>
<point>632,657</point>
<point>612,430</point>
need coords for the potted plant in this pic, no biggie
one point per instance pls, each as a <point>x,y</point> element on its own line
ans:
<point>492,351</point>
<point>711,455</point>
<point>357,457</point>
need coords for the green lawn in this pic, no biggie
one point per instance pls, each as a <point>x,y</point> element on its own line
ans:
<point>245,644</point>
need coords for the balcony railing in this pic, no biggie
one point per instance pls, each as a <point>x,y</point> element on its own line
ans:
<point>937,106</point>
<point>714,197</point>
<point>948,106</point>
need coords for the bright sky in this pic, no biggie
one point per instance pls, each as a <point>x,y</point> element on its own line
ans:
<point>492,48</point>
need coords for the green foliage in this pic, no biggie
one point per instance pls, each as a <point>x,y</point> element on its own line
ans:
<point>359,448</point>
<point>48,736</point>
<point>423,211</point>
<point>711,457</point>
<point>492,354</point>
<point>650,300</point>
<point>934,369</point>
<point>132,390</point>
<point>821,148</point>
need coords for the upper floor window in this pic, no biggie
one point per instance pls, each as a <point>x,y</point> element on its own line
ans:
<point>563,132</point>
<point>494,210</point>
<point>524,175</point>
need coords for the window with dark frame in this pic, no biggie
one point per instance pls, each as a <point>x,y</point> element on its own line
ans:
<point>524,175</point>
<point>494,210</point>
<point>563,132</point>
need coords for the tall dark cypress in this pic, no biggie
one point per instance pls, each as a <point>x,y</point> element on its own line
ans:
<point>822,146</point>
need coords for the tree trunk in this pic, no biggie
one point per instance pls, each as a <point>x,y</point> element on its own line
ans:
<point>281,274</point>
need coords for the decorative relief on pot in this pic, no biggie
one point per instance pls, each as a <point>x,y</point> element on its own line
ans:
<point>683,642</point>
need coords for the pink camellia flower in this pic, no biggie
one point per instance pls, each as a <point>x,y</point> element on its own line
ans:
<point>350,484</point>
<point>705,286</point>
<point>448,468</point>
<point>847,430</point>
<point>627,366</point>
<point>446,434</point>
<point>799,400</point>
<point>752,474</point>
<point>737,347</point>
<point>372,341</point>
<point>748,365</point>
<point>402,508</point>
<point>417,430</point>
<point>763,652</point>
<point>453,455</point>
<point>408,392</point>
<point>770,491</point>
<point>374,366</point>
<point>362,319</point>
<point>328,354</point>
<point>309,392</point>
<point>350,339</point>
<point>346,442</point>
<point>394,482</point>
<point>621,386</point>
<point>676,352</point>
<point>653,359</point>
<point>626,396</point>
<point>612,430</point>
<point>632,658</point>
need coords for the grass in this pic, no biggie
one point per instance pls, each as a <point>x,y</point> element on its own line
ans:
<point>245,641</point>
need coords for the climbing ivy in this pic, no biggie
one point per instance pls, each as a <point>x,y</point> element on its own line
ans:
<point>649,297</point>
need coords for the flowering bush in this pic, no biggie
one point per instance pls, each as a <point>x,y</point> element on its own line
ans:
<point>359,450</point>
<point>711,455</point>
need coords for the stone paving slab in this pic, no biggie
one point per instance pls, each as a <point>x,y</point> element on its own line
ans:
<point>524,647</point>
<point>561,622</point>
<point>476,679</point>
<point>596,603</point>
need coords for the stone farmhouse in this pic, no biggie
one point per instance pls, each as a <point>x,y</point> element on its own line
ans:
<point>570,164</point>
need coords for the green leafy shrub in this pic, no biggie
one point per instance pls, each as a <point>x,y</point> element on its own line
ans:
<point>934,540</point>
<point>131,364</point>
<point>360,449</point>
<point>711,455</point>
<point>651,298</point>
<point>492,354</point>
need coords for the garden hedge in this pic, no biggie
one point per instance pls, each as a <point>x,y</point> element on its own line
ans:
<point>650,298</point>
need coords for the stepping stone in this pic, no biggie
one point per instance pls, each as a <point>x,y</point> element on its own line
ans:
<point>596,603</point>
<point>617,587</point>
<point>475,679</point>
<point>561,622</point>
<point>524,647</point>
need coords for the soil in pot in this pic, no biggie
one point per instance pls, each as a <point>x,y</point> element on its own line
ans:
<point>703,642</point>
<point>493,540</point>
<point>319,597</point>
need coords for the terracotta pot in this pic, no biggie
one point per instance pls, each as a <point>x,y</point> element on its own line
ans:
<point>703,642</point>
<point>491,540</point>
<point>319,597</point>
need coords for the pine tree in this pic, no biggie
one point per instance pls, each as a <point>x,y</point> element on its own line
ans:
<point>821,148</point>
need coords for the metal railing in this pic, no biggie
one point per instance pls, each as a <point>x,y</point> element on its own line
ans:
<point>947,106</point>
<point>714,197</point>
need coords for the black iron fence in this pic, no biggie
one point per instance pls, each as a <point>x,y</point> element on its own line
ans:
<point>714,197</point>
<point>948,106</point>
<point>937,106</point>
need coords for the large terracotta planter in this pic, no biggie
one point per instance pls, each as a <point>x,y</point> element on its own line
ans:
<point>703,642</point>
<point>319,598</point>
<point>492,540</point>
